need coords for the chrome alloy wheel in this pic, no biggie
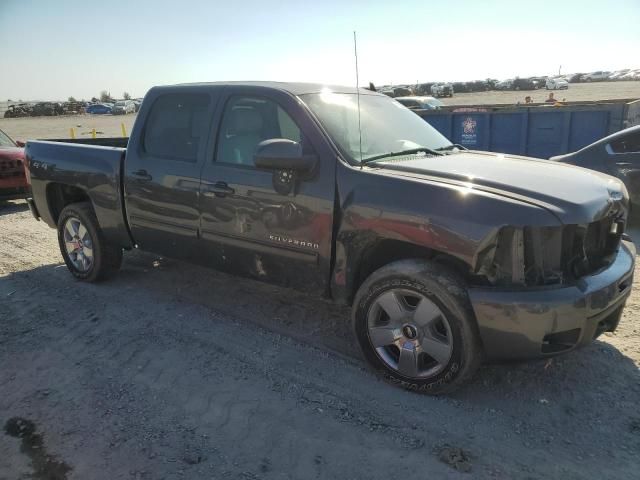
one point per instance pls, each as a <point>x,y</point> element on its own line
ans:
<point>409,333</point>
<point>78,244</point>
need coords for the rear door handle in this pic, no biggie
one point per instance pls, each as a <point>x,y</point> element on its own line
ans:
<point>218,189</point>
<point>142,175</point>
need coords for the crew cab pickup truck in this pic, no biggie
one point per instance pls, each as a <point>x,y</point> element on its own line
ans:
<point>447,256</point>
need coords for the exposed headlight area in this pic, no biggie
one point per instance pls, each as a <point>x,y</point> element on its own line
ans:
<point>557,255</point>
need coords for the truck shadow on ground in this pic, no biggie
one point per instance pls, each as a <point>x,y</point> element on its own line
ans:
<point>328,326</point>
<point>7,207</point>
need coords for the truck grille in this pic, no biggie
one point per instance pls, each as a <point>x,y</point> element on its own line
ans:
<point>563,254</point>
<point>11,168</point>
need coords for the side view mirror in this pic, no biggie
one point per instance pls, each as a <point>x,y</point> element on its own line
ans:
<point>286,160</point>
<point>282,154</point>
<point>20,143</point>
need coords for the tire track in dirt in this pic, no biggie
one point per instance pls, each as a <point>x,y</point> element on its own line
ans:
<point>254,403</point>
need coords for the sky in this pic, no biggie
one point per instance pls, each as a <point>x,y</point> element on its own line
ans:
<point>60,48</point>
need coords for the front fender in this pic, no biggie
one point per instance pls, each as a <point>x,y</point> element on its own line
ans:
<point>444,218</point>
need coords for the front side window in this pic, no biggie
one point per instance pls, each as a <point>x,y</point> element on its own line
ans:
<point>386,125</point>
<point>177,126</point>
<point>627,144</point>
<point>246,122</point>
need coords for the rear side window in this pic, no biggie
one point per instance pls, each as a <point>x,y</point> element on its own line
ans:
<point>177,126</point>
<point>627,144</point>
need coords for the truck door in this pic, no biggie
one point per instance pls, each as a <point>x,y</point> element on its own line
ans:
<point>162,170</point>
<point>283,237</point>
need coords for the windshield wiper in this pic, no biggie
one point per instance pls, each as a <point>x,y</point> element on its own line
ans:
<point>400,153</point>
<point>451,147</point>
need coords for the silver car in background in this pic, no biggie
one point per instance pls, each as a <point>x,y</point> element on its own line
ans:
<point>123,107</point>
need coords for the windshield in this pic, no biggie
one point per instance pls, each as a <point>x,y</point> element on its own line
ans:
<point>5,141</point>
<point>120,104</point>
<point>387,126</point>
<point>434,102</point>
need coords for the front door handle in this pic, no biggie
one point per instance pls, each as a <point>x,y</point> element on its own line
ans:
<point>142,175</point>
<point>218,189</point>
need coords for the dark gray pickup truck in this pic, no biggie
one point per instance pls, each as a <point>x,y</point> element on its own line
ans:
<point>448,256</point>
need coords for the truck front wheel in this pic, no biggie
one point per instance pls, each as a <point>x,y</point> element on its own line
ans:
<point>415,326</point>
<point>85,251</point>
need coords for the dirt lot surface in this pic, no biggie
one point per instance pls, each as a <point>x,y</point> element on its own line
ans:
<point>173,371</point>
<point>109,126</point>
<point>577,92</point>
<point>30,128</point>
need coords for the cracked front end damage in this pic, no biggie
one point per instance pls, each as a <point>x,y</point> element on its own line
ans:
<point>549,290</point>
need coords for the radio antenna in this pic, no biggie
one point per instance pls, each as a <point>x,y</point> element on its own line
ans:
<point>355,51</point>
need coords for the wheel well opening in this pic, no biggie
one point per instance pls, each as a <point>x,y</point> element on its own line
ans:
<point>388,251</point>
<point>59,196</point>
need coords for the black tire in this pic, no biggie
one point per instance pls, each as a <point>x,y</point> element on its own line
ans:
<point>448,292</point>
<point>106,258</point>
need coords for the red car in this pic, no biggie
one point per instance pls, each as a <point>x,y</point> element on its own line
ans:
<point>13,175</point>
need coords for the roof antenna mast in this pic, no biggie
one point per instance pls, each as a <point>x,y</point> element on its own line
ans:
<point>355,51</point>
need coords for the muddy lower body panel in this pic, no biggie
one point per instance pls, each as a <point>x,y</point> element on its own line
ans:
<point>539,322</point>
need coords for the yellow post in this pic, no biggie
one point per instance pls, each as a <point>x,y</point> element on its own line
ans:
<point>72,132</point>
<point>124,131</point>
<point>93,133</point>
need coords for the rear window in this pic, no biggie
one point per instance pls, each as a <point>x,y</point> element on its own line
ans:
<point>177,126</point>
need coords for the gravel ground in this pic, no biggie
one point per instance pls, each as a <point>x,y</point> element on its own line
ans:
<point>172,371</point>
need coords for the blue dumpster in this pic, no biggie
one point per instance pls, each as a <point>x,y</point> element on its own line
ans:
<point>538,131</point>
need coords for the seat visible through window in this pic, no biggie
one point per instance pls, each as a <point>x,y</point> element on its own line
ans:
<point>242,136</point>
<point>248,121</point>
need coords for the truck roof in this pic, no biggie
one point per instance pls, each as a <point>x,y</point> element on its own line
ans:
<point>295,88</point>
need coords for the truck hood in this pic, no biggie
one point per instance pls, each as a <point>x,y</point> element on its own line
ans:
<point>573,194</point>
<point>12,153</point>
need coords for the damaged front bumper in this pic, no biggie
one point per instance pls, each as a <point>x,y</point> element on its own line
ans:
<point>538,322</point>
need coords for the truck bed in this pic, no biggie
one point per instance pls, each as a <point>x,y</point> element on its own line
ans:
<point>84,170</point>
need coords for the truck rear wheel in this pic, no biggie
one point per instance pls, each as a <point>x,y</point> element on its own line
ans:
<point>416,327</point>
<point>85,251</point>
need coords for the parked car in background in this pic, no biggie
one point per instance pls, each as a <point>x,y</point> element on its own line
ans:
<point>504,84</point>
<point>477,86</point>
<point>558,83</point>
<point>575,78</point>
<point>18,110</point>
<point>47,109</point>
<point>73,108</point>
<point>523,84</point>
<point>539,82</point>
<point>598,76</point>
<point>631,75</point>
<point>423,88</point>
<point>122,107</point>
<point>618,74</point>
<point>617,155</point>
<point>460,87</point>
<point>442,90</point>
<point>137,102</point>
<point>99,109</point>
<point>420,103</point>
<point>402,91</point>
<point>13,175</point>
